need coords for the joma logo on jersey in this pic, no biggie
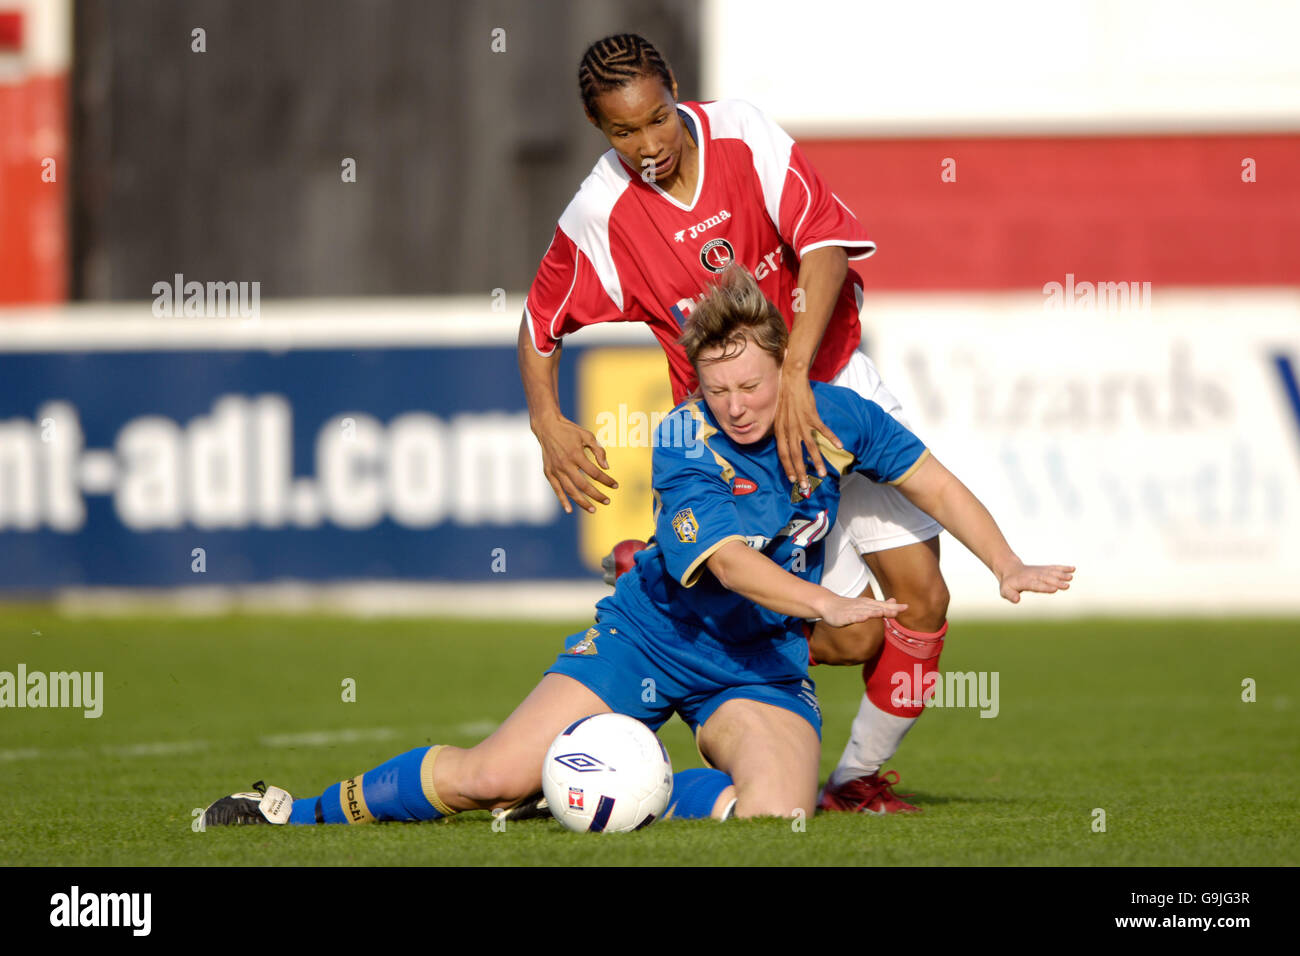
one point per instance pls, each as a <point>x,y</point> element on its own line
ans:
<point>702,227</point>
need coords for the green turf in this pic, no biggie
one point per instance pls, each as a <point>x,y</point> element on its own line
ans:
<point>1141,719</point>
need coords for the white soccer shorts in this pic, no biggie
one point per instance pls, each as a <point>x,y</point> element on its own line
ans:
<point>872,517</point>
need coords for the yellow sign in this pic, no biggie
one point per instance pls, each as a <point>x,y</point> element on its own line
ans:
<point>623,395</point>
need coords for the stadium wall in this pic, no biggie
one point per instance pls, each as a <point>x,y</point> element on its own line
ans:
<point>1008,67</point>
<point>1152,440</point>
<point>998,212</point>
<point>35,42</point>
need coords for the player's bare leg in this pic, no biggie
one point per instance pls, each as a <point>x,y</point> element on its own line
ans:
<point>854,644</point>
<point>885,715</point>
<point>911,576</point>
<point>770,753</point>
<point>507,766</point>
<point>427,783</point>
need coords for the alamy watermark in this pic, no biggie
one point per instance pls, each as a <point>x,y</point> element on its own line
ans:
<point>76,689</point>
<point>1072,296</point>
<point>946,689</point>
<point>206,300</point>
<point>75,908</point>
<point>632,428</point>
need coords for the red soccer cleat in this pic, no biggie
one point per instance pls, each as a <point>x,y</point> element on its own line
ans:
<point>619,561</point>
<point>870,794</point>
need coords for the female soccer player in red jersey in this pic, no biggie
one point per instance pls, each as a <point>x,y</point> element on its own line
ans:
<point>685,190</point>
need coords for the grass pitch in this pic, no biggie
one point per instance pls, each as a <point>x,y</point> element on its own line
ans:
<point>1143,720</point>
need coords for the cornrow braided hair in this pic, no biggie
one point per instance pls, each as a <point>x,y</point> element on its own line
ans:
<point>615,61</point>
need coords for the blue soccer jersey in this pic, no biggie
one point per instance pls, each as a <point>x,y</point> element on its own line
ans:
<point>710,490</point>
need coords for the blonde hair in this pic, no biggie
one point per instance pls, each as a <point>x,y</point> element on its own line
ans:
<point>732,313</point>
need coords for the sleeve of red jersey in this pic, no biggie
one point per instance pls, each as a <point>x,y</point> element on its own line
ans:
<point>800,204</point>
<point>811,216</point>
<point>565,295</point>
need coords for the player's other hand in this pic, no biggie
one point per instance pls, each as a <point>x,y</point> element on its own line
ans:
<point>570,456</point>
<point>841,611</point>
<point>1042,578</point>
<point>796,420</point>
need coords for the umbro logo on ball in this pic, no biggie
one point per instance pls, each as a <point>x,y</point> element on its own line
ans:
<point>582,763</point>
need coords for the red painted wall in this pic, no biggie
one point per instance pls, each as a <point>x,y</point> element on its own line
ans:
<point>33,221</point>
<point>1025,211</point>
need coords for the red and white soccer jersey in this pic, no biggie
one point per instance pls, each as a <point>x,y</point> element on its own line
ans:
<point>626,251</point>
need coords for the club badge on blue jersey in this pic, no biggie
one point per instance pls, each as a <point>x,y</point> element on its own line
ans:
<point>588,643</point>
<point>685,526</point>
<point>797,496</point>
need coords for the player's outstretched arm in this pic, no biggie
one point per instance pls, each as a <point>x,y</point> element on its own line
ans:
<point>938,492</point>
<point>566,446</point>
<point>754,575</point>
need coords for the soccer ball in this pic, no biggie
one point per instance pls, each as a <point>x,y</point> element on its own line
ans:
<point>607,774</point>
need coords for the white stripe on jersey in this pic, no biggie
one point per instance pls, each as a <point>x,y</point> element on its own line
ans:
<point>586,222</point>
<point>768,143</point>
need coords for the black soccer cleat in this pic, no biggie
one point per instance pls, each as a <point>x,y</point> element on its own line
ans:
<point>265,805</point>
<point>527,809</point>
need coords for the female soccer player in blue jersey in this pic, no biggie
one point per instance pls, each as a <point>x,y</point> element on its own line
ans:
<point>714,610</point>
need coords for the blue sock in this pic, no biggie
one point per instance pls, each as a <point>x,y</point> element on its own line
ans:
<point>695,791</point>
<point>400,789</point>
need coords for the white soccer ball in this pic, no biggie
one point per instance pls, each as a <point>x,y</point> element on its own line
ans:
<point>607,773</point>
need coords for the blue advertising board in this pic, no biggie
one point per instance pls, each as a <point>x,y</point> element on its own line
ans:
<point>161,468</point>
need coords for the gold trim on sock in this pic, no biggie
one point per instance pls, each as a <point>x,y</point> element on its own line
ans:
<point>352,799</point>
<point>426,781</point>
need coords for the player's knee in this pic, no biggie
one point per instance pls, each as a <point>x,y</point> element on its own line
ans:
<point>927,603</point>
<point>936,601</point>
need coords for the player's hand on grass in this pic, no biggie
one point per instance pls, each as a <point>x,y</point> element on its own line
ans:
<point>796,420</point>
<point>1041,578</point>
<point>571,455</point>
<point>841,611</point>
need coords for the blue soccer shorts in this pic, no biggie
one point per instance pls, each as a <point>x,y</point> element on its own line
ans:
<point>650,672</point>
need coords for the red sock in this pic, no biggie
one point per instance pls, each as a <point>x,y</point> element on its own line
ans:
<point>897,677</point>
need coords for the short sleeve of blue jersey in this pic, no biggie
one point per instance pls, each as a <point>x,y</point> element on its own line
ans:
<point>695,512</point>
<point>880,447</point>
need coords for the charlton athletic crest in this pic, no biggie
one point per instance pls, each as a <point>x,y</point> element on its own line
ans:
<point>717,254</point>
<point>685,526</point>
